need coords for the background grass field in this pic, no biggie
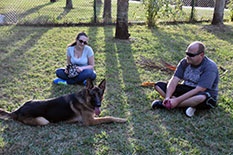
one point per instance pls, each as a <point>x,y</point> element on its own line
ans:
<point>30,55</point>
<point>44,12</point>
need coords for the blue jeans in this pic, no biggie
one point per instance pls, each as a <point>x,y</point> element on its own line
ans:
<point>85,74</point>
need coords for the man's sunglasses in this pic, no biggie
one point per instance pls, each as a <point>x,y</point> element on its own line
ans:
<point>193,54</point>
<point>84,42</point>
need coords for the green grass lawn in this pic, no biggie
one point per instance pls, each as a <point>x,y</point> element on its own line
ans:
<point>30,55</point>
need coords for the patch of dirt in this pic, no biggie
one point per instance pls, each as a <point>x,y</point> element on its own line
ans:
<point>217,28</point>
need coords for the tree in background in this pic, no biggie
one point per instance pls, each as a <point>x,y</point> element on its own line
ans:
<point>122,20</point>
<point>218,12</point>
<point>107,15</point>
<point>69,4</point>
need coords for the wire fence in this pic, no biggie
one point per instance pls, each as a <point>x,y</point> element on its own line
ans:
<point>203,3</point>
<point>42,12</point>
<point>57,12</point>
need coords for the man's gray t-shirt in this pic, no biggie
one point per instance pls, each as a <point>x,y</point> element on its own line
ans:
<point>205,75</point>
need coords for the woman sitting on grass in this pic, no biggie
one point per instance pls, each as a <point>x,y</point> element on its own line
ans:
<point>81,55</point>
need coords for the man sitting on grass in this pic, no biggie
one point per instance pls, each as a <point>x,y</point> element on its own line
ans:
<point>199,89</point>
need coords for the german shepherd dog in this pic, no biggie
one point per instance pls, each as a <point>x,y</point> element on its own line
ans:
<point>80,107</point>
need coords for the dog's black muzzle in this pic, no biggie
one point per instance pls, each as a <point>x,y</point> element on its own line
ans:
<point>96,100</point>
<point>98,104</point>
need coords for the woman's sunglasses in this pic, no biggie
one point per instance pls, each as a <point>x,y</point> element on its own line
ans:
<point>84,42</point>
<point>193,54</point>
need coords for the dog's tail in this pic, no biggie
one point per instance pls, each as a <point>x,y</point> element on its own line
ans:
<point>4,114</point>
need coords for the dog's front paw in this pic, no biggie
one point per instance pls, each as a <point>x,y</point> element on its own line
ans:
<point>121,120</point>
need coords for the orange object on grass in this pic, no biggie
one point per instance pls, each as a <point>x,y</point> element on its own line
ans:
<point>172,68</point>
<point>147,84</point>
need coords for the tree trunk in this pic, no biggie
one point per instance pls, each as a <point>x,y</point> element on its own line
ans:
<point>52,1</point>
<point>69,4</point>
<point>107,16</point>
<point>122,19</point>
<point>218,12</point>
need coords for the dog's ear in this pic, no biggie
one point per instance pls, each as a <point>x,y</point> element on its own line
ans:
<point>89,84</point>
<point>102,84</point>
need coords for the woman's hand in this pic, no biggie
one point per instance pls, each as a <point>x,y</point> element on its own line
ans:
<point>66,71</point>
<point>79,69</point>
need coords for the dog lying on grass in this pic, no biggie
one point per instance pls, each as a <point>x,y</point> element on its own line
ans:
<point>80,107</point>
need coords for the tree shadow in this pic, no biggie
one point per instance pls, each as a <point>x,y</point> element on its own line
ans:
<point>13,17</point>
<point>63,14</point>
<point>124,98</point>
<point>190,131</point>
<point>217,30</point>
<point>11,62</point>
<point>147,131</point>
<point>33,10</point>
<point>173,49</point>
<point>98,8</point>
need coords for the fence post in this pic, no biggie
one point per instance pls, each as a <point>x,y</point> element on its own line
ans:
<point>95,11</point>
<point>192,11</point>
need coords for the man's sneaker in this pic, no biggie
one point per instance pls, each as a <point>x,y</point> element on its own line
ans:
<point>190,111</point>
<point>157,104</point>
<point>60,81</point>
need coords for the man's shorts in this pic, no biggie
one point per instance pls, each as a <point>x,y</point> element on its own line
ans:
<point>210,101</point>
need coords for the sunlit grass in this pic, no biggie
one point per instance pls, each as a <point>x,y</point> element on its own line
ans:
<point>30,56</point>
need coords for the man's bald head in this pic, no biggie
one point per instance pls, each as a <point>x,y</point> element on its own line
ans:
<point>197,46</point>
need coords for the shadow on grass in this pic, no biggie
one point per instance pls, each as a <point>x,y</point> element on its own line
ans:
<point>98,10</point>
<point>63,14</point>
<point>195,134</point>
<point>146,132</point>
<point>17,138</point>
<point>12,63</point>
<point>218,30</point>
<point>125,99</point>
<point>13,17</point>
<point>173,49</point>
<point>34,10</point>
<point>15,61</point>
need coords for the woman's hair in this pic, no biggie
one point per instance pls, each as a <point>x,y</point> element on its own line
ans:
<point>77,38</point>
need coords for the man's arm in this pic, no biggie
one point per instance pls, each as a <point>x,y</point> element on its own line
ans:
<point>176,101</point>
<point>171,86</point>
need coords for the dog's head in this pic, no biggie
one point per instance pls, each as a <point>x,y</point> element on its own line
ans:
<point>96,93</point>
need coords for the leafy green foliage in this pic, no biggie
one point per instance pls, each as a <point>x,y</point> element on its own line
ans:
<point>174,12</point>
<point>230,7</point>
<point>152,9</point>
